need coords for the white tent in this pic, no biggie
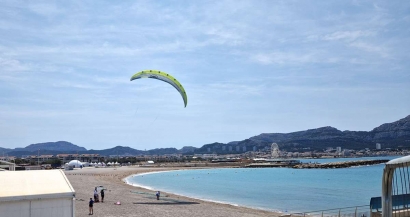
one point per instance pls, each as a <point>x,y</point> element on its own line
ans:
<point>75,164</point>
<point>29,193</point>
<point>85,164</point>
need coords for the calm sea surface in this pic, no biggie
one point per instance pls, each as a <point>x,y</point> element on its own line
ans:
<point>276,189</point>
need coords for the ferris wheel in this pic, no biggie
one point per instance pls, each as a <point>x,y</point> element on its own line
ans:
<point>275,150</point>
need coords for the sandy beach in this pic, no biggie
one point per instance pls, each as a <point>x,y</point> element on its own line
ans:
<point>137,201</point>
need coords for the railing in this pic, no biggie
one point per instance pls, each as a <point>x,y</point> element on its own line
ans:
<point>354,211</point>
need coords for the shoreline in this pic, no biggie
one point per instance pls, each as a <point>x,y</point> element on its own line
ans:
<point>191,197</point>
<point>144,203</point>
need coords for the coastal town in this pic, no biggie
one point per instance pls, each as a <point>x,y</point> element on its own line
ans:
<point>31,162</point>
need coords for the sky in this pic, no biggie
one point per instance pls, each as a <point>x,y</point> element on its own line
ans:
<point>248,67</point>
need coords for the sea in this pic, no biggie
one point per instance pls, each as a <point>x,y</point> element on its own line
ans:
<point>284,190</point>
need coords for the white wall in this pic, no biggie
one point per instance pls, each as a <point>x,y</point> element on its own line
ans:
<point>61,207</point>
<point>15,209</point>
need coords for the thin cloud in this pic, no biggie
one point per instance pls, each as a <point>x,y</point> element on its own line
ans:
<point>347,35</point>
<point>12,65</point>
<point>371,48</point>
<point>285,58</point>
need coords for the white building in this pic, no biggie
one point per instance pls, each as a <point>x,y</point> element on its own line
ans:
<point>11,166</point>
<point>378,146</point>
<point>29,193</point>
<point>339,149</point>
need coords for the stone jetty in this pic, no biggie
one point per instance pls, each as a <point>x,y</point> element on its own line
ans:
<point>334,165</point>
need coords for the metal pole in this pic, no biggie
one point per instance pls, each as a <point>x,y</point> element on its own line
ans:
<point>388,173</point>
<point>355,212</point>
<point>38,157</point>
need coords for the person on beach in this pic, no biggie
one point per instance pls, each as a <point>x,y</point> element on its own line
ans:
<point>90,205</point>
<point>102,195</point>
<point>158,194</point>
<point>95,195</point>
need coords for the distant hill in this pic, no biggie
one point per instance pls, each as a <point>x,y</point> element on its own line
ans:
<point>50,148</point>
<point>187,149</point>
<point>390,135</point>
<point>4,150</point>
<point>118,150</point>
<point>392,131</point>
<point>54,146</point>
<point>162,151</point>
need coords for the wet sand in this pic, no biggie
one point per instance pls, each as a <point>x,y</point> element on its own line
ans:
<point>137,201</point>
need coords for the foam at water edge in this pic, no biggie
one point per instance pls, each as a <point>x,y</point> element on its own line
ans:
<point>126,179</point>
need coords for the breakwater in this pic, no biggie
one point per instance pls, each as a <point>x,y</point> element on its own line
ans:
<point>298,165</point>
<point>334,165</point>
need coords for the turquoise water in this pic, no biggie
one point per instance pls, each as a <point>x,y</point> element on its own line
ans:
<point>276,189</point>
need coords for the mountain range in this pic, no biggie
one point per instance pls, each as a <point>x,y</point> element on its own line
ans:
<point>390,135</point>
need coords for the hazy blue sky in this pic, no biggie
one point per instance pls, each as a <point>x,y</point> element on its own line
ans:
<point>248,67</point>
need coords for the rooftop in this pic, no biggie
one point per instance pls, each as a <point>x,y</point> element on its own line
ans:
<point>26,185</point>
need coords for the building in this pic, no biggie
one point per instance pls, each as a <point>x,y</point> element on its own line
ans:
<point>65,158</point>
<point>7,158</point>
<point>40,158</point>
<point>339,149</point>
<point>7,165</point>
<point>378,146</point>
<point>28,193</point>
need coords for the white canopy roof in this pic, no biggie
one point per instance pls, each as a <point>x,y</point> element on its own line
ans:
<point>34,184</point>
<point>75,163</point>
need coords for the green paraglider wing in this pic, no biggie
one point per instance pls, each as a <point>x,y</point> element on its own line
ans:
<point>163,76</point>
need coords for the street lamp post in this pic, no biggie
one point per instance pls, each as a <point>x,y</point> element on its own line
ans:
<point>38,157</point>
